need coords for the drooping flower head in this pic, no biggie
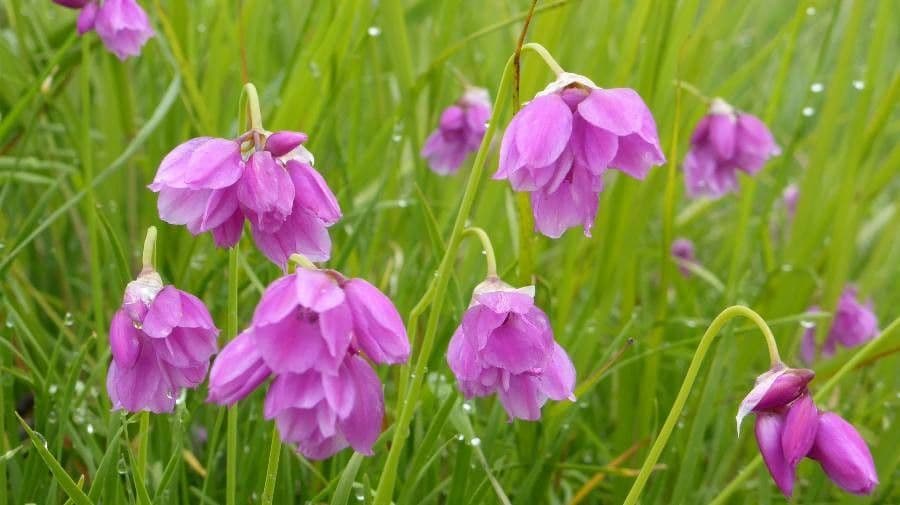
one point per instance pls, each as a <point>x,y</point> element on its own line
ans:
<point>558,146</point>
<point>161,340</point>
<point>854,323</point>
<point>122,25</point>
<point>209,184</point>
<point>725,141</point>
<point>505,345</point>
<point>789,427</point>
<point>683,252</point>
<point>459,132</point>
<point>310,332</point>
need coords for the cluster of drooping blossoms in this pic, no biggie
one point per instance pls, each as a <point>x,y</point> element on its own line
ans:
<point>459,132</point>
<point>854,324</point>
<point>789,427</point>
<point>121,24</point>
<point>724,142</point>
<point>310,332</point>
<point>683,253</point>
<point>505,345</point>
<point>209,184</point>
<point>559,145</point>
<point>161,340</point>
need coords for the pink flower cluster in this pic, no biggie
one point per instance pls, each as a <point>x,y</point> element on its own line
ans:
<point>121,24</point>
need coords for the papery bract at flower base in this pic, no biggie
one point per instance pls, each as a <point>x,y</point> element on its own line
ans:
<point>459,132</point>
<point>561,143</point>
<point>724,142</point>
<point>323,413</point>
<point>505,345</point>
<point>854,323</point>
<point>161,341</point>
<point>844,455</point>
<point>123,26</point>
<point>237,371</point>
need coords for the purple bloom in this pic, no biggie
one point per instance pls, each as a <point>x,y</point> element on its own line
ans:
<point>505,345</point>
<point>784,437</point>
<point>324,413</point>
<point>308,332</point>
<point>724,142</point>
<point>808,340</point>
<point>853,324</point>
<point>683,252</point>
<point>121,24</point>
<point>207,185</point>
<point>844,455</point>
<point>561,143</point>
<point>789,198</point>
<point>161,341</point>
<point>459,132</point>
<point>774,389</point>
<point>72,4</point>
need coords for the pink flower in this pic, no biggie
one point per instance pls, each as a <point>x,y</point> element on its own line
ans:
<point>789,198</point>
<point>161,341</point>
<point>724,142</point>
<point>560,144</point>
<point>505,345</point>
<point>844,455</point>
<point>121,24</point>
<point>683,252</point>
<point>853,324</point>
<point>459,132</point>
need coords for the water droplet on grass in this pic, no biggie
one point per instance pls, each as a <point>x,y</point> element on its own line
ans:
<point>475,442</point>
<point>121,466</point>
<point>374,31</point>
<point>460,437</point>
<point>53,389</point>
<point>807,324</point>
<point>817,87</point>
<point>90,429</point>
<point>69,319</point>
<point>859,85</point>
<point>810,11</point>
<point>467,407</point>
<point>808,111</point>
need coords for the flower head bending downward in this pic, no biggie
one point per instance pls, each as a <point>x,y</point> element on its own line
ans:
<point>121,24</point>
<point>505,345</point>
<point>310,332</point>
<point>560,144</point>
<point>459,132</point>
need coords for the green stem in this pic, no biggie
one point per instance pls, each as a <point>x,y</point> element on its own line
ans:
<point>690,88</point>
<point>231,332</point>
<point>87,161</point>
<point>388,478</point>
<point>820,395</point>
<point>272,468</point>
<point>487,248</point>
<point>675,412</point>
<point>302,261</point>
<point>143,441</point>
<point>546,56</point>
<point>149,248</point>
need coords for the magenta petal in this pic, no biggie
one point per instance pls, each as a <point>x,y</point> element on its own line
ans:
<point>722,131</point>
<point>799,429</point>
<point>377,325</point>
<point>522,399</point>
<point>755,144</point>
<point>478,322</point>
<point>362,427</point>
<point>87,18</point>
<point>452,118</point>
<point>124,340</point>
<point>291,346</point>
<point>164,313</point>
<point>340,392</point>
<point>594,147</point>
<point>141,387</point>
<point>183,206</point>
<point>317,290</point>
<point>266,192</point>
<point>543,128</point>
<point>462,357</point>
<point>774,389</point>
<point>228,233</point>
<point>214,164</point>
<point>293,391</point>
<point>844,455</point>
<point>185,347</point>
<point>123,26</point>
<point>301,233</point>
<point>574,203</point>
<point>220,207</point>
<point>502,301</point>
<point>558,376</point>
<point>520,344</point>
<point>283,142</point>
<point>313,193</point>
<point>336,326</point>
<point>620,111</point>
<point>237,371</point>
<point>277,301</point>
<point>769,429</point>
<point>636,156</point>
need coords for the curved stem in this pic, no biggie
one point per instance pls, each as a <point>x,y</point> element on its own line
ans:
<point>149,248</point>
<point>675,412</point>
<point>690,88</point>
<point>388,477</point>
<point>249,113</point>
<point>302,261</point>
<point>487,248</point>
<point>546,56</point>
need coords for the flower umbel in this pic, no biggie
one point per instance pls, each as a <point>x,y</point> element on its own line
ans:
<point>122,25</point>
<point>854,323</point>
<point>459,132</point>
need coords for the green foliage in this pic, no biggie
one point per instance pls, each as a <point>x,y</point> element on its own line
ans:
<point>367,80</point>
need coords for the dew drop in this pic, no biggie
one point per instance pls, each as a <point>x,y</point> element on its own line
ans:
<point>79,387</point>
<point>53,389</point>
<point>90,429</point>
<point>475,442</point>
<point>396,138</point>
<point>41,438</point>
<point>807,324</point>
<point>460,437</point>
<point>402,203</point>
<point>201,28</point>
<point>121,466</point>
<point>808,111</point>
<point>859,85</point>
<point>810,11</point>
<point>374,31</point>
<point>817,87</point>
<point>467,407</point>
<point>10,324</point>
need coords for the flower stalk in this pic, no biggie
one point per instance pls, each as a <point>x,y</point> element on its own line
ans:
<point>149,250</point>
<point>546,56</point>
<point>487,248</point>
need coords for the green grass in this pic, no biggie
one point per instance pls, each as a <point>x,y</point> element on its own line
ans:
<point>81,134</point>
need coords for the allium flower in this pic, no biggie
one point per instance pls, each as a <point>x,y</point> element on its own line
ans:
<point>561,143</point>
<point>324,413</point>
<point>310,331</point>
<point>505,345</point>
<point>161,341</point>
<point>459,132</point>
<point>844,455</point>
<point>683,252</point>
<point>724,142</point>
<point>206,184</point>
<point>121,24</point>
<point>853,324</point>
<point>789,427</point>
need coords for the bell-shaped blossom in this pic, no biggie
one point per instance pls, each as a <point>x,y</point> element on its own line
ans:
<point>206,184</point>
<point>461,128</point>
<point>785,436</point>
<point>683,252</point>
<point>237,371</point>
<point>161,341</point>
<point>854,323</point>
<point>724,142</point>
<point>844,455</point>
<point>377,327</point>
<point>774,389</point>
<point>122,25</point>
<point>323,413</point>
<point>558,146</point>
<point>505,345</point>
